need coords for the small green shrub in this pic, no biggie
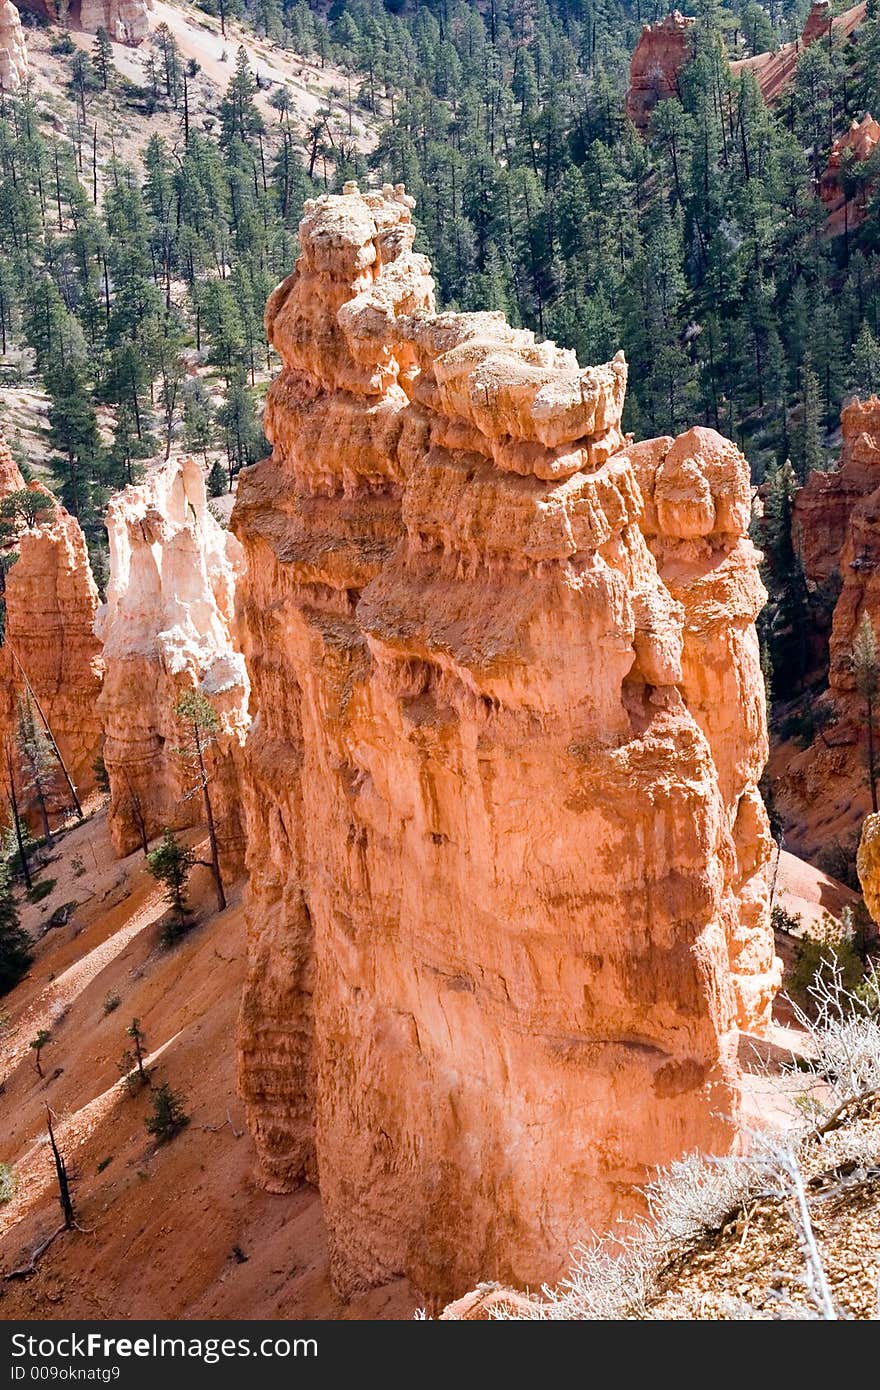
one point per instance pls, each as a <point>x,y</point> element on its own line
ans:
<point>168,1117</point>
<point>111,1002</point>
<point>41,890</point>
<point>105,1163</point>
<point>102,777</point>
<point>7,1183</point>
<point>822,951</point>
<point>785,921</point>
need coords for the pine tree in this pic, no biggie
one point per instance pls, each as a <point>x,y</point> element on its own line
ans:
<point>15,954</point>
<point>864,377</point>
<point>170,862</point>
<point>102,56</point>
<point>169,1116</point>
<point>810,454</point>
<point>38,759</point>
<point>866,669</point>
<point>198,716</point>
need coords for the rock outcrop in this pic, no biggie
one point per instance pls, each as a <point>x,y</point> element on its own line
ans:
<point>823,793</point>
<point>846,206</point>
<point>50,602</point>
<point>166,630</point>
<point>13,50</point>
<point>868,864</point>
<point>126,21</point>
<point>502,875</point>
<point>659,56</point>
<point>774,71</point>
<point>697,507</point>
<point>818,22</point>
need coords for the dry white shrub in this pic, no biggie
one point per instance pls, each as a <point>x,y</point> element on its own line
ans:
<point>618,1276</point>
<point>844,1032</point>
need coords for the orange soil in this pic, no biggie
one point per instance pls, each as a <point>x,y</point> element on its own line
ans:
<point>160,1224</point>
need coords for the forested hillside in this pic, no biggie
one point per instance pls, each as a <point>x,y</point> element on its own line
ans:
<point>136,281</point>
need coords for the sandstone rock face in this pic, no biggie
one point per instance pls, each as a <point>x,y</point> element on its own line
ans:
<point>868,864</point>
<point>166,629</point>
<point>818,22</point>
<point>824,793</point>
<point>13,50</point>
<point>697,498</point>
<point>855,147</point>
<point>126,21</point>
<point>51,600</point>
<point>494,862</point>
<point>659,56</point>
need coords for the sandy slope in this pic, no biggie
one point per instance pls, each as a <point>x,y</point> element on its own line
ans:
<point>161,1225</point>
<point>198,36</point>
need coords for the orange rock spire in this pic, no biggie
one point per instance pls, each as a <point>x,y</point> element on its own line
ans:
<point>505,847</point>
<point>51,600</point>
<point>166,629</point>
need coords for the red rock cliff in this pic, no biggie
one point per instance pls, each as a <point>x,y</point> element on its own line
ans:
<point>774,72</point>
<point>494,856</point>
<point>50,608</point>
<point>824,792</point>
<point>166,629</point>
<point>660,54</point>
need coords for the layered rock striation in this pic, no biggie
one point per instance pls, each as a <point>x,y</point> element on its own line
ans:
<point>49,646</point>
<point>659,56</point>
<point>824,792</point>
<point>165,629</point>
<point>13,50</point>
<point>775,71</point>
<point>697,507</point>
<point>503,839</point>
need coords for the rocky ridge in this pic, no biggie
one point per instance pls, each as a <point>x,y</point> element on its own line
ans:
<point>661,52</point>
<point>126,21</point>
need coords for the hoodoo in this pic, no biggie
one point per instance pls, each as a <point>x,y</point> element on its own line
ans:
<point>848,152</point>
<point>506,853</point>
<point>166,630</point>
<point>659,56</point>
<point>13,50</point>
<point>49,647</point>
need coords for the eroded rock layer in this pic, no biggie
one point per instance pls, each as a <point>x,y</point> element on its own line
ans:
<point>166,630</point>
<point>824,791</point>
<point>50,602</point>
<point>498,866</point>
